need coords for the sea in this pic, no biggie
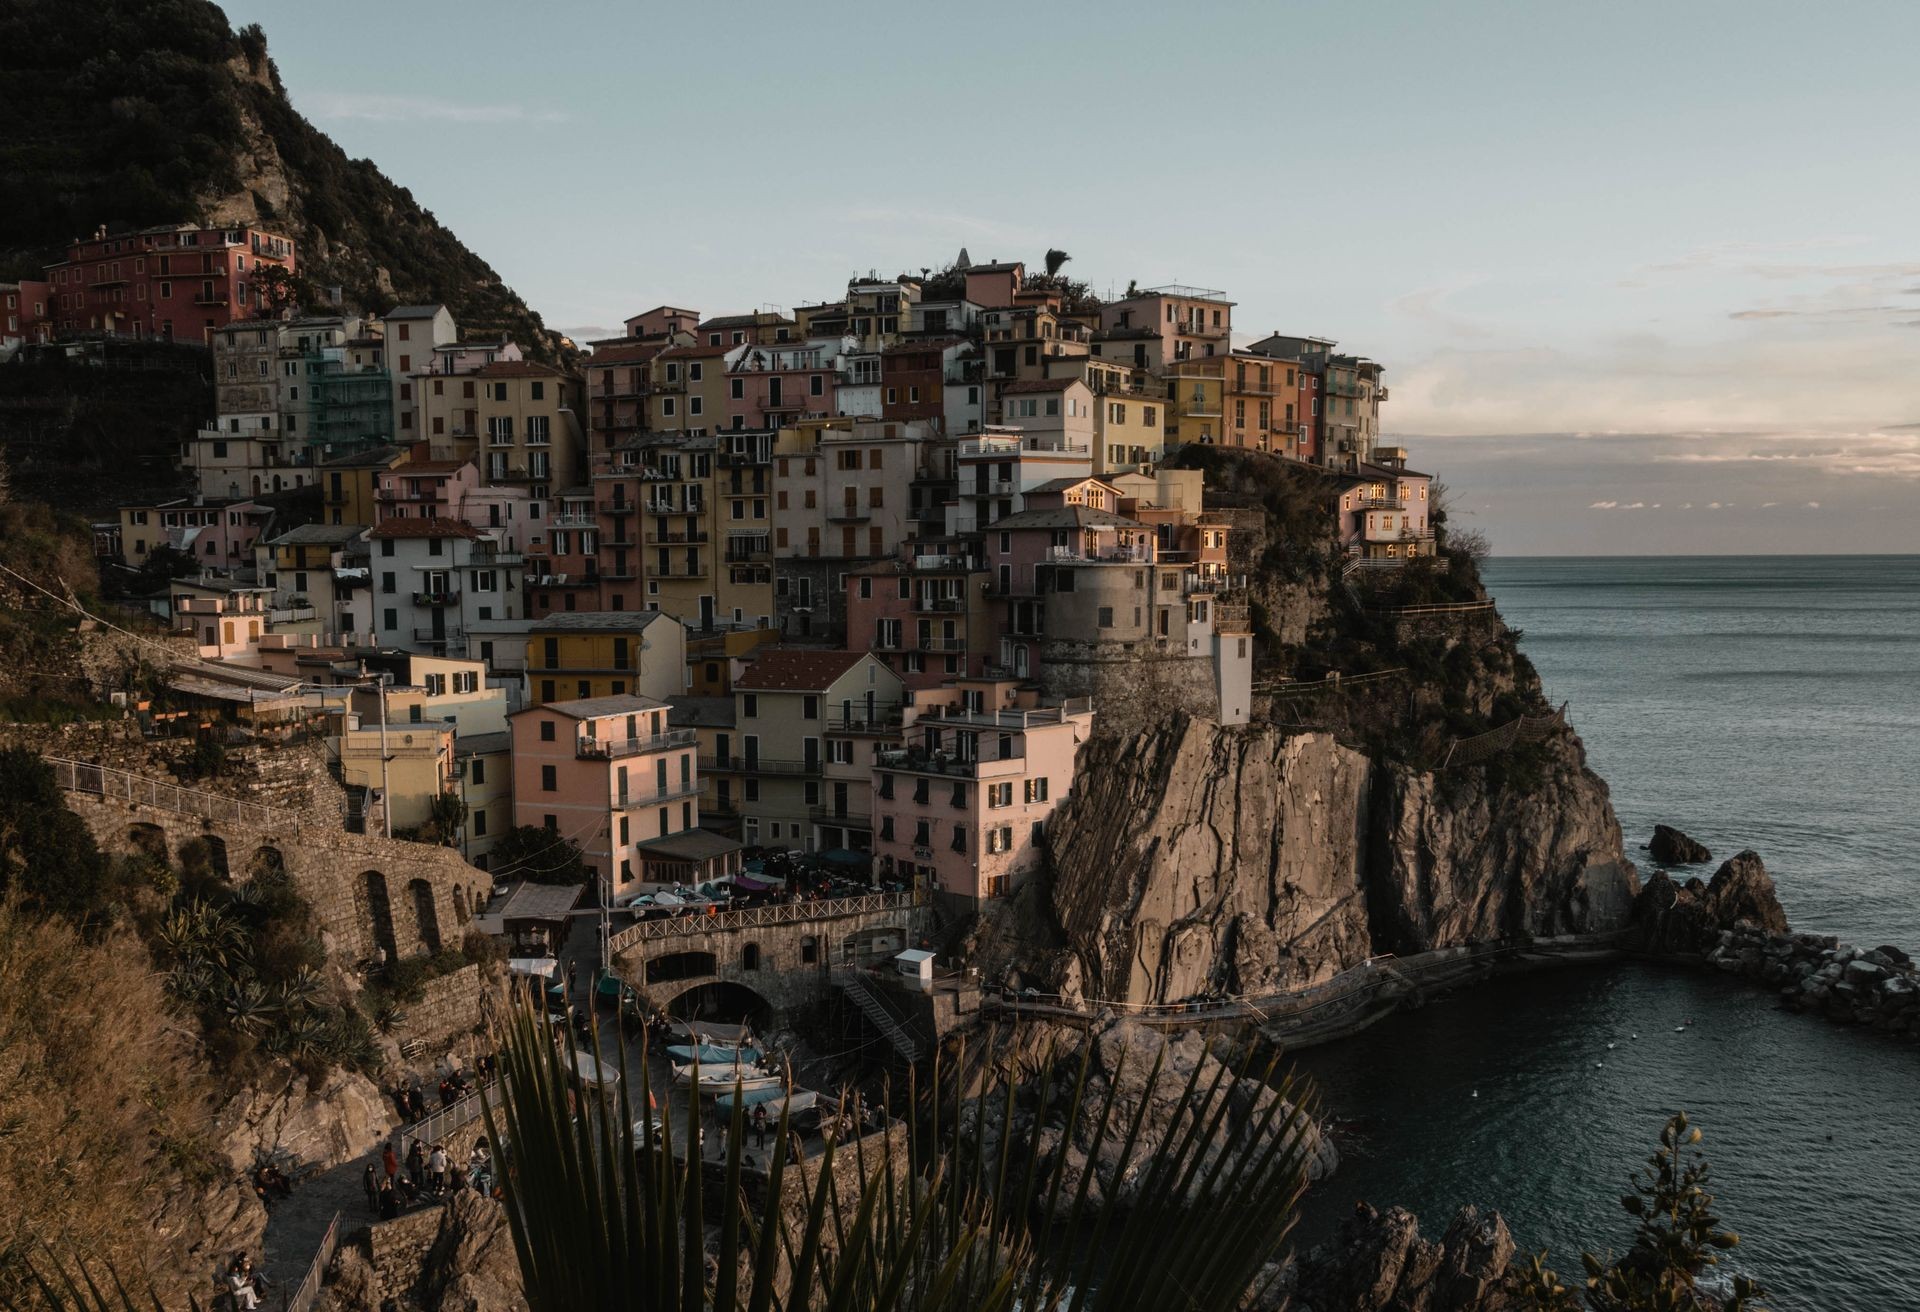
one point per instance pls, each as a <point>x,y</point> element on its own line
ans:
<point>1770,703</point>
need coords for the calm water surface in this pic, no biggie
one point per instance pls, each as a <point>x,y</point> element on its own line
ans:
<point>1771,703</point>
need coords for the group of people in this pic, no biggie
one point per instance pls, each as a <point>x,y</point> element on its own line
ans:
<point>243,1284</point>
<point>429,1172</point>
<point>455,1085</point>
<point>270,1183</point>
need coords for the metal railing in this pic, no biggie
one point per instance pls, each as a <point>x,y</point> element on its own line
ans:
<point>121,786</point>
<point>758,765</point>
<point>611,747</point>
<point>780,913</point>
<point>434,1127</point>
<point>303,1294</point>
<point>860,989</point>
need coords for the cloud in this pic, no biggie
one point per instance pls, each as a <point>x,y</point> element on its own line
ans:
<point>1839,311</point>
<point>381,108</point>
<point>1813,505</point>
<point>1426,305</point>
<point>1604,505</point>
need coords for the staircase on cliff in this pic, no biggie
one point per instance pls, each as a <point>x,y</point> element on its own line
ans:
<point>860,991</point>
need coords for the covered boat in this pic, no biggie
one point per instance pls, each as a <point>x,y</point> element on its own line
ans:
<point>712,1054</point>
<point>725,1079</point>
<point>798,1101</point>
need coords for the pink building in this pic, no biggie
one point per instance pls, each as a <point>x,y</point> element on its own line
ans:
<point>769,387</point>
<point>610,774</point>
<point>565,567</point>
<point>1025,553</point>
<point>925,616</point>
<point>995,286</point>
<point>224,619</point>
<point>964,808</point>
<point>661,320</point>
<point>424,489</point>
<point>1383,509</point>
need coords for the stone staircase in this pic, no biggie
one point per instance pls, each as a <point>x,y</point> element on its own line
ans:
<point>857,987</point>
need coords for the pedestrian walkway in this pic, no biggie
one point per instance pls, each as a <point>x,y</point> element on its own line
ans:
<point>296,1225</point>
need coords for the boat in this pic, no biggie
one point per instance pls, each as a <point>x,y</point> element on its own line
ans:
<point>712,1054</point>
<point>709,1080</point>
<point>712,1033</point>
<point>592,1070</point>
<point>797,1101</point>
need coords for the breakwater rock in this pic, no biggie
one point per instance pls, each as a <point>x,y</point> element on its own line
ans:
<point>1874,987</point>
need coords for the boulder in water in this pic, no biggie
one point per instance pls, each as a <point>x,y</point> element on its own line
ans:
<point>1671,918</point>
<point>1379,1261</point>
<point>1670,847</point>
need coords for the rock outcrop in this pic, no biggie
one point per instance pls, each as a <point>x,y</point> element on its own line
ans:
<point>1672,919</point>
<point>344,1118</point>
<point>1378,1262</point>
<point>1193,858</point>
<point>1670,847</point>
<point>1877,988</point>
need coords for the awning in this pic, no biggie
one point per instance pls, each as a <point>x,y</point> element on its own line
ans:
<point>546,966</point>
<point>752,885</point>
<point>842,856</point>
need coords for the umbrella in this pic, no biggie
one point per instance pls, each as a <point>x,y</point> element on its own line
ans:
<point>841,856</point>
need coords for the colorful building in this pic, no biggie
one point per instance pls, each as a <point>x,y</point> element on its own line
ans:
<point>585,654</point>
<point>176,282</point>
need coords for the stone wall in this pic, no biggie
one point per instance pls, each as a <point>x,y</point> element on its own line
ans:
<point>448,1012</point>
<point>1133,684</point>
<point>399,1249</point>
<point>1877,988</point>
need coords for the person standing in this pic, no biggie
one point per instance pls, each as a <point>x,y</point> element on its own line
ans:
<point>760,1125</point>
<point>417,1164</point>
<point>389,1162</point>
<point>573,971</point>
<point>437,1168</point>
<point>389,1200</point>
<point>372,1183</point>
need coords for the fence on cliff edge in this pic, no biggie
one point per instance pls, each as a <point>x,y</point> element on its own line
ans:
<point>1525,729</point>
<point>302,1296</point>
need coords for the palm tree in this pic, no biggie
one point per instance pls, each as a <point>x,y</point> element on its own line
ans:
<point>923,1217</point>
<point>1056,258</point>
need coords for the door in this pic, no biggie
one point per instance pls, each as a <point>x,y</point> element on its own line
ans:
<point>839,801</point>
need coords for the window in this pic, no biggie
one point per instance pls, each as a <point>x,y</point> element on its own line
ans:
<point>1106,617</point>
<point>959,838</point>
<point>546,729</point>
<point>810,707</point>
<point>549,780</point>
<point>999,795</point>
<point>1036,789</point>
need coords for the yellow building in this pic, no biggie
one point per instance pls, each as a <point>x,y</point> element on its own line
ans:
<point>419,765</point>
<point>529,421</point>
<point>714,660</point>
<point>1241,399</point>
<point>689,389</point>
<point>348,484</point>
<point>575,655</point>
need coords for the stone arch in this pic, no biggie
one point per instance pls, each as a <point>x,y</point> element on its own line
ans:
<point>147,840</point>
<point>217,855</point>
<point>681,965</point>
<point>380,914</point>
<point>425,915</point>
<point>750,957</point>
<point>717,1000</point>
<point>459,904</point>
<point>276,482</point>
<point>266,862</point>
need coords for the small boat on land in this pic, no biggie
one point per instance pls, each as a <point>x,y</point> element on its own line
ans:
<point>712,1054</point>
<point>712,1033</point>
<point>710,1080</point>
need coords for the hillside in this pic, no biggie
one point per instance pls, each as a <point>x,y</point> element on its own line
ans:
<point>136,112</point>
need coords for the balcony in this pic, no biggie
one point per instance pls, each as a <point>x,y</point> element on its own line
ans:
<point>611,748</point>
<point>657,796</point>
<point>782,403</point>
<point>1381,503</point>
<point>748,555</point>
<point>203,298</point>
<point>441,637</point>
<point>992,487</point>
<point>881,721</point>
<point>940,605</point>
<point>682,570</point>
<point>440,597</point>
<point>850,515</point>
<point>678,535</point>
<point>757,765</point>
<point>496,559</point>
<point>575,519</point>
<point>618,508</point>
<point>828,815</point>
<point>941,644</point>
<point>917,760</point>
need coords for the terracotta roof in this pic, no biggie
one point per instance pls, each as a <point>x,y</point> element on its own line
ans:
<point>518,369</point>
<point>413,467</point>
<point>793,670</point>
<point>629,353</point>
<point>731,321</point>
<point>1064,517</point>
<point>424,528</point>
<point>1040,385</point>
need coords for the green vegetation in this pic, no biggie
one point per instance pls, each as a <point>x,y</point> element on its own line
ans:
<point>247,960</point>
<point>1676,1239</point>
<point>139,112</point>
<point>928,1219</point>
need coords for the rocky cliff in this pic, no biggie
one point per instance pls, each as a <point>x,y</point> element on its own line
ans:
<point>1194,858</point>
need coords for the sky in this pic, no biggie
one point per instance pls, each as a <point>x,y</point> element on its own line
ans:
<point>1645,277</point>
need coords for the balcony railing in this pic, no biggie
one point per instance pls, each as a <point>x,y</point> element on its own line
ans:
<point>881,720</point>
<point>828,815</point>
<point>443,636</point>
<point>575,519</point>
<point>442,597</point>
<point>850,515</point>
<point>944,605</point>
<point>656,796</point>
<point>757,765</point>
<point>679,535</point>
<point>618,507</point>
<point>916,760</point>
<point>942,644</point>
<point>1381,503</point>
<point>608,748</point>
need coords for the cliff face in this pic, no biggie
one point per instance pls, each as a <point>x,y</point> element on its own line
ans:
<point>1193,857</point>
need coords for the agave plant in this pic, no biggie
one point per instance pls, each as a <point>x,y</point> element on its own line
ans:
<point>922,1219</point>
<point>199,928</point>
<point>248,1005</point>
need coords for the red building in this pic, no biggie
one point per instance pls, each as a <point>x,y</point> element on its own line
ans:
<point>911,378</point>
<point>178,283</point>
<point>25,313</point>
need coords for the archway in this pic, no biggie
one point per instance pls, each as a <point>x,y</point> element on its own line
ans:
<point>750,957</point>
<point>722,1000</point>
<point>459,905</point>
<point>217,855</point>
<point>425,916</point>
<point>266,863</point>
<point>680,965</point>
<point>147,840</point>
<point>380,914</point>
